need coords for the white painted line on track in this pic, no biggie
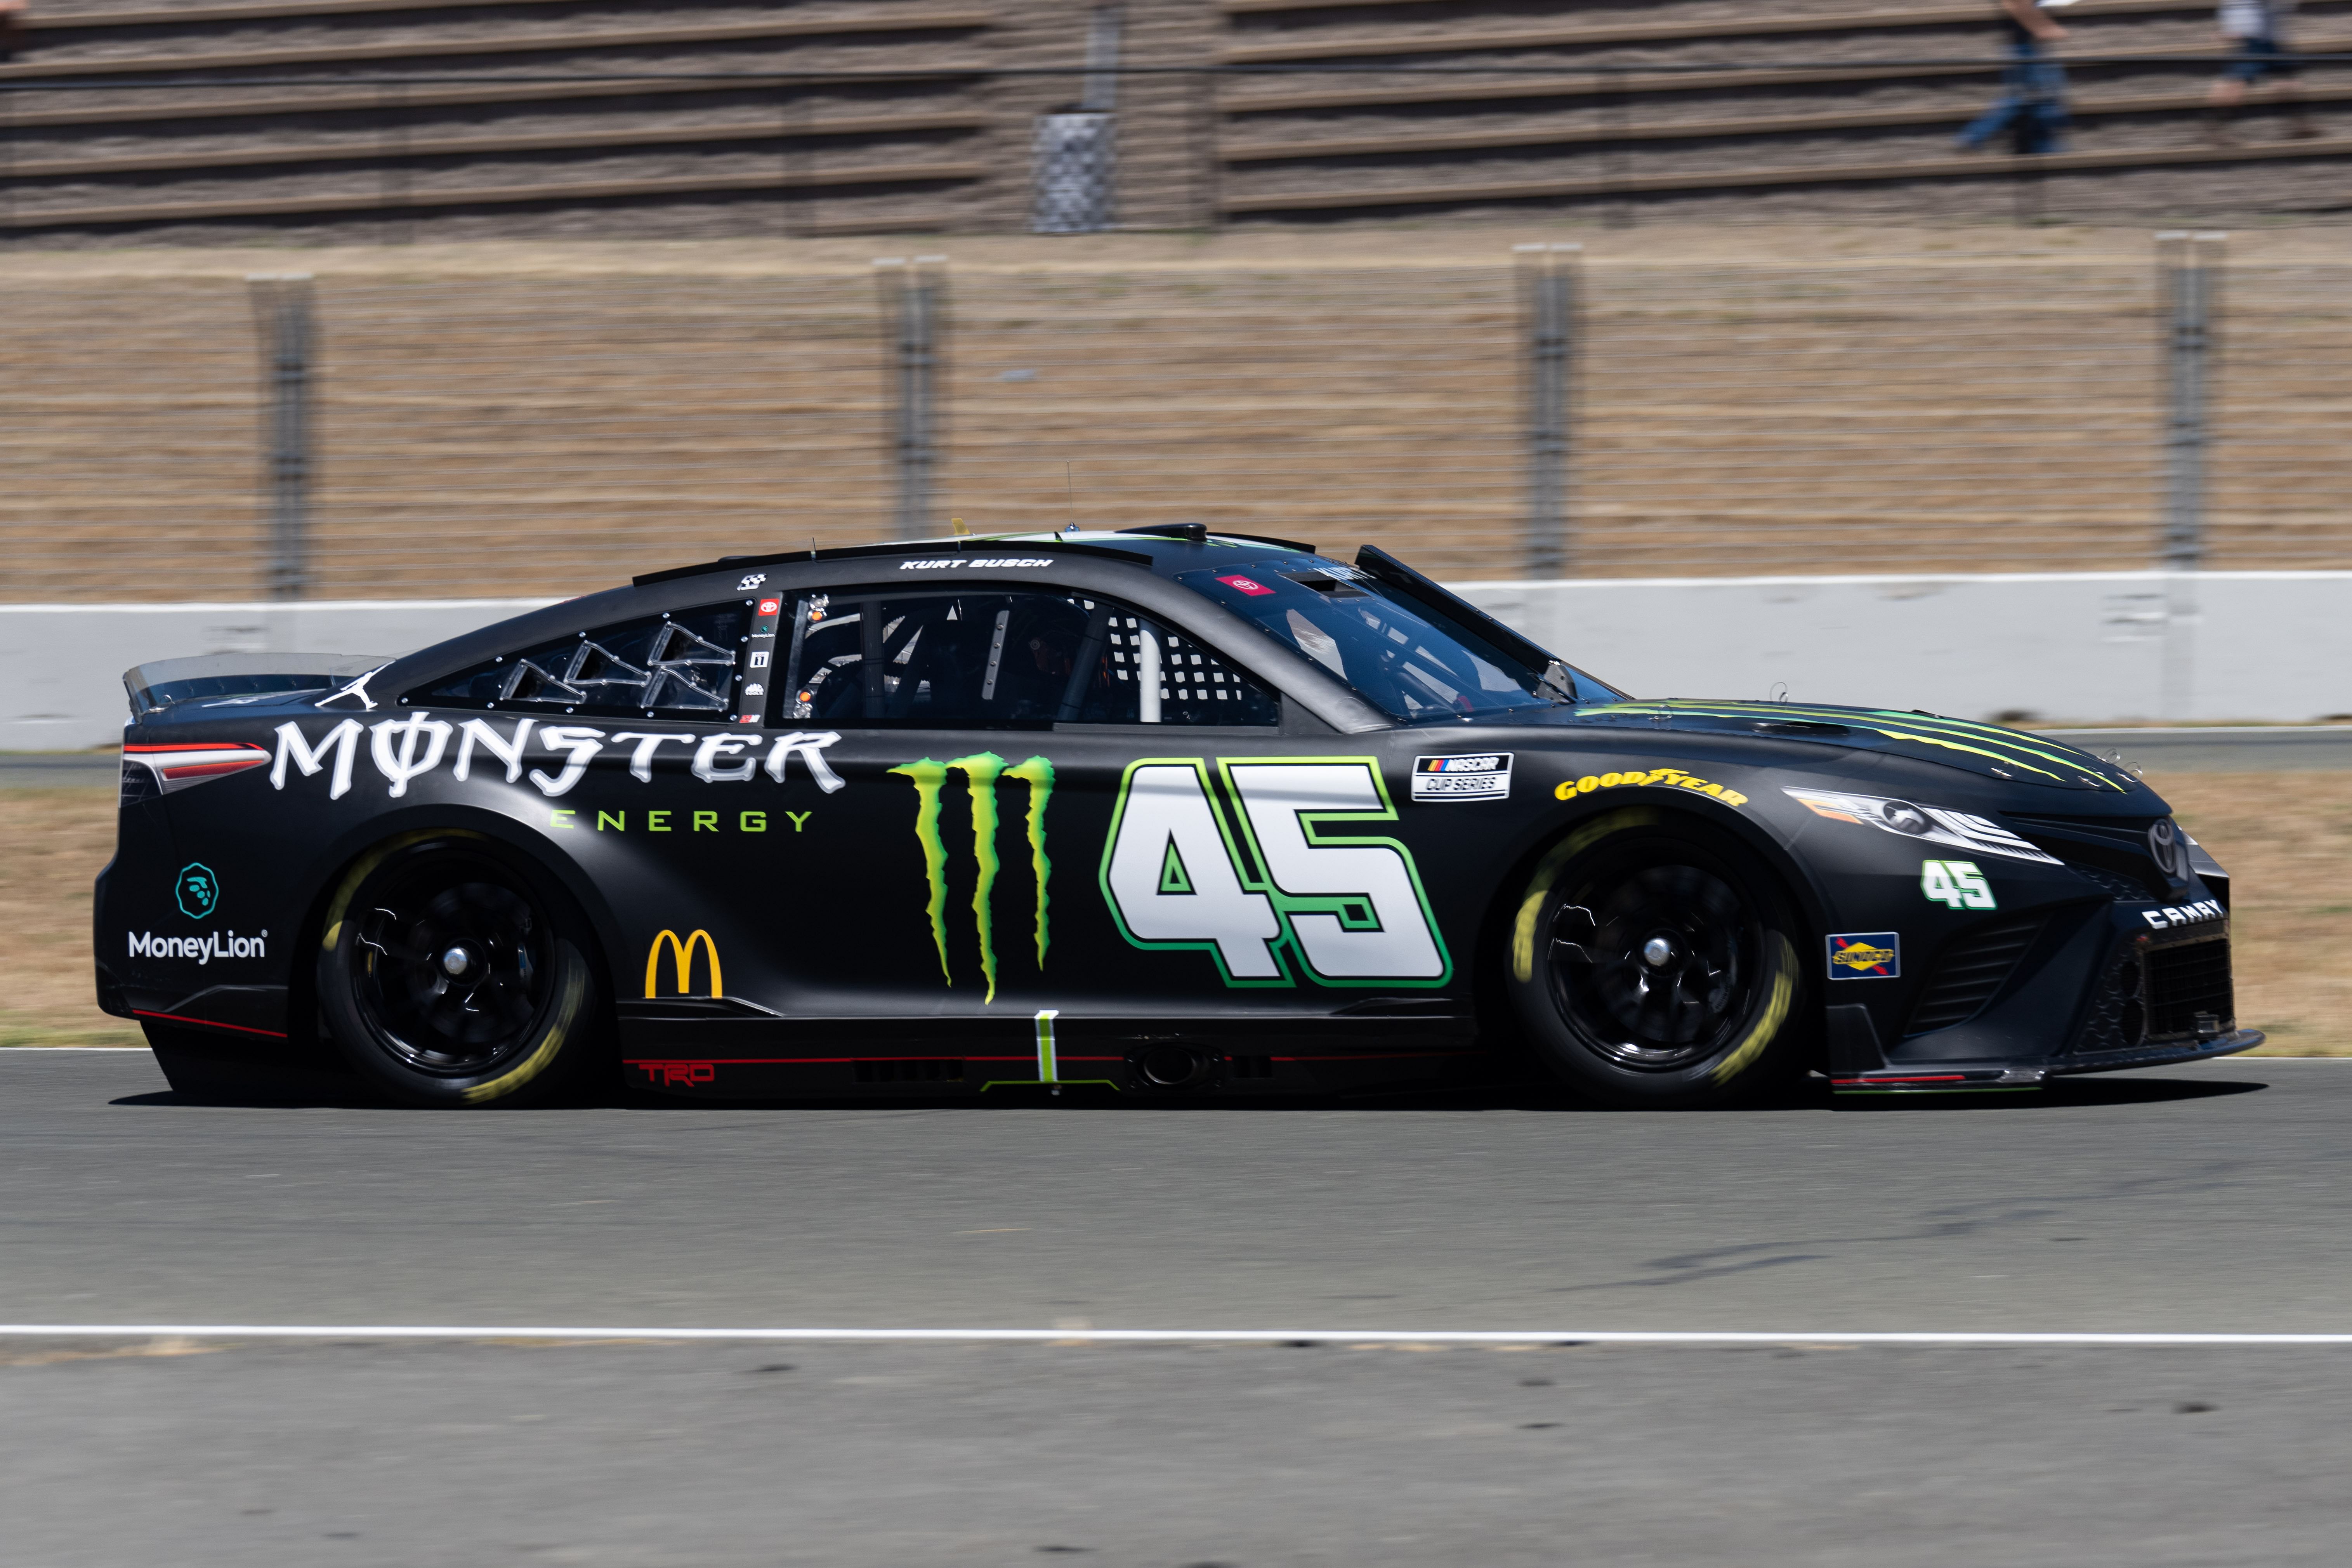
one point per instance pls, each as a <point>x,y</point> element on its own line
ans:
<point>1072,1336</point>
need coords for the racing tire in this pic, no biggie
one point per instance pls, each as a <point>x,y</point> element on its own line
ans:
<point>1653,963</point>
<point>449,976</point>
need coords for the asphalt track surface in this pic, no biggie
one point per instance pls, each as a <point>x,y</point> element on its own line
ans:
<point>2213,1197</point>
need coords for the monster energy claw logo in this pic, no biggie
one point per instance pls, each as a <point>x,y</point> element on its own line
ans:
<point>981,772</point>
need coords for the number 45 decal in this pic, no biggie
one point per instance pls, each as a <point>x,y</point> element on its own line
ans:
<point>1349,907</point>
<point>1955,883</point>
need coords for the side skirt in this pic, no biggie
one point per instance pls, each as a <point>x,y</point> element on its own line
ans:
<point>771,1057</point>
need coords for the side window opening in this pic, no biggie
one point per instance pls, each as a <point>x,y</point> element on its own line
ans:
<point>676,664</point>
<point>1382,644</point>
<point>1005,660</point>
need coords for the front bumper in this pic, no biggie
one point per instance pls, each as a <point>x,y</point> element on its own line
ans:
<point>1964,1077</point>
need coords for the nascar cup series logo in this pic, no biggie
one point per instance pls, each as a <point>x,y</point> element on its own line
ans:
<point>1482,777</point>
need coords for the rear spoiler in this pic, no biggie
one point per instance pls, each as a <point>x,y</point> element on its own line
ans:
<point>166,683</point>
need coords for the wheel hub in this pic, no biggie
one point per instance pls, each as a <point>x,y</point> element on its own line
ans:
<point>1651,965</point>
<point>455,968</point>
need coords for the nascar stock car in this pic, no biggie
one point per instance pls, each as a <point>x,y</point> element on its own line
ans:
<point>1160,811</point>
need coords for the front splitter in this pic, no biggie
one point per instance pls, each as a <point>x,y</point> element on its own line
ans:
<point>1979,1077</point>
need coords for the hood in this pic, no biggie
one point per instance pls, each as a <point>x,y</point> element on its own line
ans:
<point>2013,756</point>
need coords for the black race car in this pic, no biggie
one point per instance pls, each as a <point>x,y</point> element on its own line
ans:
<point>1163,812</point>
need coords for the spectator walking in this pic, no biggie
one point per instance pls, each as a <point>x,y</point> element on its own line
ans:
<point>12,29</point>
<point>2032,102</point>
<point>2258,28</point>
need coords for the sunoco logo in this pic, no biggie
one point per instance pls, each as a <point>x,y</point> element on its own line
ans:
<point>202,949</point>
<point>980,772</point>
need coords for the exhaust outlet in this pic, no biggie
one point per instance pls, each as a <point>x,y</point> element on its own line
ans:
<point>1173,1067</point>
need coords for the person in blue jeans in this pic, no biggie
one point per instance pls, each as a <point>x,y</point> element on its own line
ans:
<point>2032,102</point>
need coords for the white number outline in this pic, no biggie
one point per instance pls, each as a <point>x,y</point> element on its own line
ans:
<point>1971,888</point>
<point>1227,806</point>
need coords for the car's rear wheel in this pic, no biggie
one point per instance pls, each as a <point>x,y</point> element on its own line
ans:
<point>1653,963</point>
<point>449,976</point>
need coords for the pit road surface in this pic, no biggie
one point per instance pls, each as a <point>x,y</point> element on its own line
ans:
<point>2206,1198</point>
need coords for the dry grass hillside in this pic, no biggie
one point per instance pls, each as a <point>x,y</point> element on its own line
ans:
<point>511,419</point>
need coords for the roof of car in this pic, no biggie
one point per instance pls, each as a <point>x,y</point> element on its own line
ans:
<point>1162,548</point>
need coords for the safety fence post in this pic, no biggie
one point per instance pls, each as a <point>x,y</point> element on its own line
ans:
<point>283,323</point>
<point>2189,280</point>
<point>914,314</point>
<point>1547,299</point>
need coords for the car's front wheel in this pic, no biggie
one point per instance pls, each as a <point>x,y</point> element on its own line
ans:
<point>450,976</point>
<point>1653,963</point>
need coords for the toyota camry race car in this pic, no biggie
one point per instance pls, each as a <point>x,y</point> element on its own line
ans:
<point>1161,812</point>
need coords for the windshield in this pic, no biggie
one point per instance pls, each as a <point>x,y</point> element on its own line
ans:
<point>1393,650</point>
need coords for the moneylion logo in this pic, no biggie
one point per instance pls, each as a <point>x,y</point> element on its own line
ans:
<point>682,962</point>
<point>981,772</point>
<point>202,949</point>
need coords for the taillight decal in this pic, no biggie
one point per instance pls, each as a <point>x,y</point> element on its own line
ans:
<point>177,767</point>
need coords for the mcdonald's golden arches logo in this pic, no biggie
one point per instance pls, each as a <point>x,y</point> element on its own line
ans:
<point>682,957</point>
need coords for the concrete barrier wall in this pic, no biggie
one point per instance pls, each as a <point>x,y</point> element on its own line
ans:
<point>2087,647</point>
<point>61,665</point>
<point>2106,647</point>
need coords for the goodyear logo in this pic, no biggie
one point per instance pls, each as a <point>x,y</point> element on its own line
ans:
<point>682,960</point>
<point>1571,788</point>
<point>981,772</point>
<point>1866,955</point>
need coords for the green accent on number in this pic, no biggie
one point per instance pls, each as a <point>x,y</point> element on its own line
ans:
<point>1213,887</point>
<point>929,776</point>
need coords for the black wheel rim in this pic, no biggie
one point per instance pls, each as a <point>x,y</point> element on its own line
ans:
<point>1653,966</point>
<point>454,966</point>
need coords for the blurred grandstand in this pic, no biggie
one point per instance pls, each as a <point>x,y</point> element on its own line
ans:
<point>467,118</point>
